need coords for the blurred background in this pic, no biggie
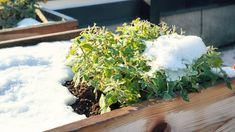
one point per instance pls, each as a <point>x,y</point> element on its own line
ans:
<point>213,20</point>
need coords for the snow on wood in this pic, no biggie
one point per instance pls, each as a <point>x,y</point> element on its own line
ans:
<point>27,22</point>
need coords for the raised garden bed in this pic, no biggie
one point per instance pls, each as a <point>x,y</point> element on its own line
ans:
<point>59,23</point>
<point>211,109</point>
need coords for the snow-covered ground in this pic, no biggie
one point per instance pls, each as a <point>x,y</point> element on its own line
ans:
<point>32,97</point>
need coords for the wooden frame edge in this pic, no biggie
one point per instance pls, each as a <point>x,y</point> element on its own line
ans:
<point>147,110</point>
<point>65,35</point>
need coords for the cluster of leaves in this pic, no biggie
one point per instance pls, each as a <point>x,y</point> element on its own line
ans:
<point>200,76</point>
<point>113,64</point>
<point>3,1</point>
<point>12,11</point>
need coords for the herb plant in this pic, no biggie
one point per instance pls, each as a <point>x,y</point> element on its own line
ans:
<point>3,1</point>
<point>12,11</point>
<point>113,64</point>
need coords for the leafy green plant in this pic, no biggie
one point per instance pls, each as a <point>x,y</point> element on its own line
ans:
<point>3,1</point>
<point>113,64</point>
<point>13,11</point>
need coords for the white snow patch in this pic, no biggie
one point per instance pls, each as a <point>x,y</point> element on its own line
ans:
<point>228,55</point>
<point>27,22</point>
<point>173,53</point>
<point>229,70</point>
<point>32,97</point>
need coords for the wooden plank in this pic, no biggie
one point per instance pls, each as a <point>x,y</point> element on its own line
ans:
<point>41,15</point>
<point>64,23</point>
<point>66,35</point>
<point>212,108</point>
<point>37,30</point>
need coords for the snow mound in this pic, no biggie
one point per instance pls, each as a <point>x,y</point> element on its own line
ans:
<point>27,22</point>
<point>32,97</point>
<point>173,53</point>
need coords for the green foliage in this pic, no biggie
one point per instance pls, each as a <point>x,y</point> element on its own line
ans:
<point>113,64</point>
<point>15,10</point>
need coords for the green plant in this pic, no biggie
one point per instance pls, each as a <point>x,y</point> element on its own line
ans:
<point>13,11</point>
<point>3,1</point>
<point>113,64</point>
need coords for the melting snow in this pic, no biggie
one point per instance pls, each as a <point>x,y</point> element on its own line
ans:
<point>27,22</point>
<point>229,70</point>
<point>173,53</point>
<point>32,97</point>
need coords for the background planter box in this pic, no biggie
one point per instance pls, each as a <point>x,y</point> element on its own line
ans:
<point>60,23</point>
<point>213,20</point>
<point>211,109</point>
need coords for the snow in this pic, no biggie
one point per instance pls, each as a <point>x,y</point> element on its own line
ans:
<point>228,55</point>
<point>229,70</point>
<point>27,22</point>
<point>173,53</point>
<point>32,97</point>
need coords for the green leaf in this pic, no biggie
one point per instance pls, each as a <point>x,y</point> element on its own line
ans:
<point>107,89</point>
<point>113,51</point>
<point>87,47</point>
<point>184,95</point>
<point>103,107</point>
<point>167,96</point>
<point>102,103</point>
<point>111,98</point>
<point>117,77</point>
<point>108,73</point>
<point>227,81</point>
<point>228,84</point>
<point>76,79</point>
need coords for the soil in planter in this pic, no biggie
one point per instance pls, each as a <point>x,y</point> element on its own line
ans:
<point>87,103</point>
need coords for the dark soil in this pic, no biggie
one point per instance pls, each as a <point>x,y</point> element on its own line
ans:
<point>87,103</point>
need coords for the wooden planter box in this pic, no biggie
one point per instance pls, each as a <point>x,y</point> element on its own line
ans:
<point>60,23</point>
<point>210,110</point>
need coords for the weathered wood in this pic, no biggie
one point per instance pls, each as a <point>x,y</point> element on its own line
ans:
<point>62,23</point>
<point>66,35</point>
<point>210,110</point>
<point>41,15</point>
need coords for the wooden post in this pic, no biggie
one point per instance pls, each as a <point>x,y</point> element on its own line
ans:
<point>41,15</point>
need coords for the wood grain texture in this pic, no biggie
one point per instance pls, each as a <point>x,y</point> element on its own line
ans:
<point>66,35</point>
<point>62,23</point>
<point>9,34</point>
<point>41,15</point>
<point>210,110</point>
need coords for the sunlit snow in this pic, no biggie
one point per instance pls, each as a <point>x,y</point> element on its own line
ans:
<point>173,53</point>
<point>32,97</point>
